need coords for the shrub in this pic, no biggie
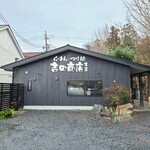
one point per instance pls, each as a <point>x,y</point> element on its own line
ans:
<point>8,113</point>
<point>117,94</point>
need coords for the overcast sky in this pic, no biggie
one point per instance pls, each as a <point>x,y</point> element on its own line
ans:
<point>66,21</point>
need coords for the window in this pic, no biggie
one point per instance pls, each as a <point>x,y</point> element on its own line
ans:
<point>84,88</point>
<point>29,86</point>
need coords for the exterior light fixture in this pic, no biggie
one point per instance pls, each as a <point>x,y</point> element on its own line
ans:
<point>34,78</point>
<point>114,81</point>
<point>56,78</point>
<point>26,72</point>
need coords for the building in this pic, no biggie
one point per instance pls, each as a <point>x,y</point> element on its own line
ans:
<point>31,54</point>
<point>10,51</point>
<point>71,76</point>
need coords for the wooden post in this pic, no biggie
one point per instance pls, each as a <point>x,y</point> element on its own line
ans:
<point>148,84</point>
<point>148,101</point>
<point>132,92</point>
<point>148,76</point>
<point>1,96</point>
<point>141,90</point>
<point>10,95</point>
<point>22,95</point>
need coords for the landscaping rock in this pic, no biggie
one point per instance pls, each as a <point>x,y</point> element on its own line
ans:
<point>122,118</point>
<point>106,113</point>
<point>97,109</point>
<point>125,109</point>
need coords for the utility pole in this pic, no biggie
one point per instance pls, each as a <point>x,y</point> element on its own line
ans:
<point>46,47</point>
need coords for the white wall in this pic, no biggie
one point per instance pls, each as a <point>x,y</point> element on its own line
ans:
<point>8,53</point>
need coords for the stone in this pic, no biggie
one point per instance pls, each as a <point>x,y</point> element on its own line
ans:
<point>125,109</point>
<point>97,109</point>
<point>130,111</point>
<point>122,118</point>
<point>106,113</point>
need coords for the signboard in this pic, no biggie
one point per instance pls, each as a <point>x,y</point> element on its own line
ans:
<point>72,64</point>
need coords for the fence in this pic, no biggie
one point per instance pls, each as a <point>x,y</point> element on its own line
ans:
<point>11,96</point>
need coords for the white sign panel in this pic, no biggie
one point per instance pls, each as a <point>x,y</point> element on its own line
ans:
<point>72,64</point>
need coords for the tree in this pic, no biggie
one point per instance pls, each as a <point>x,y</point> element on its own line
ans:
<point>125,53</point>
<point>142,54</point>
<point>121,43</point>
<point>139,15</point>
<point>98,43</point>
<point>114,38</point>
<point>123,36</point>
<point>128,36</point>
<point>97,46</point>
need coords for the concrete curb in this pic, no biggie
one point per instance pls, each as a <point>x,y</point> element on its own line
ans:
<point>141,110</point>
<point>58,107</point>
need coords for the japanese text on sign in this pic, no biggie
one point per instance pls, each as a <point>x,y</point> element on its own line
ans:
<point>72,64</point>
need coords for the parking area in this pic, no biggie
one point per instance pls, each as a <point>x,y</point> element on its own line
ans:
<point>73,130</point>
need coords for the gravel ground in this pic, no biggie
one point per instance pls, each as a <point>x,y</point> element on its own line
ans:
<point>73,130</point>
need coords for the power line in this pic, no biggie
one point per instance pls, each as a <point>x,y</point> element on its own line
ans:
<point>69,38</point>
<point>60,38</point>
<point>18,35</point>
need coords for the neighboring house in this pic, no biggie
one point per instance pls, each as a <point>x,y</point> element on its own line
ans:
<point>10,51</point>
<point>31,54</point>
<point>73,76</point>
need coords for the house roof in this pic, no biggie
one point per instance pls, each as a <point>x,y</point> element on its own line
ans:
<point>134,67</point>
<point>7,27</point>
<point>31,54</point>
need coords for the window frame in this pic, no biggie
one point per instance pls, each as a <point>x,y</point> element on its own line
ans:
<point>85,95</point>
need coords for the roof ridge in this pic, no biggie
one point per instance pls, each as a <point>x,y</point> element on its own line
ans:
<point>79,50</point>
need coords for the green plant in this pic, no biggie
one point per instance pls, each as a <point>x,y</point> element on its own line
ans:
<point>117,94</point>
<point>125,52</point>
<point>8,113</point>
<point>2,115</point>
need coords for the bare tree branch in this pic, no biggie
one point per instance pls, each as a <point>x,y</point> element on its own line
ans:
<point>139,11</point>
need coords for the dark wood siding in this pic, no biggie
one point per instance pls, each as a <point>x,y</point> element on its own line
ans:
<point>47,91</point>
